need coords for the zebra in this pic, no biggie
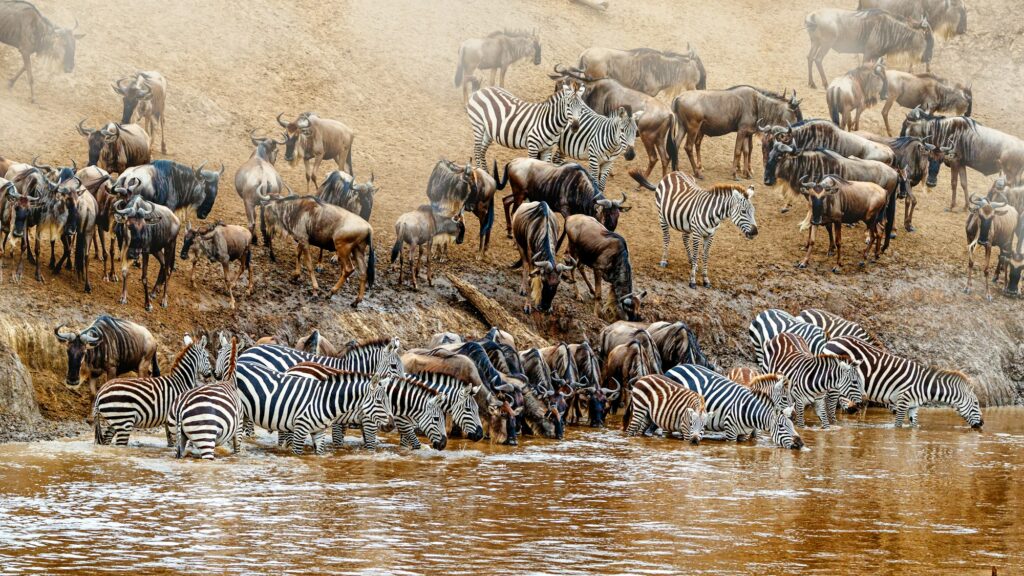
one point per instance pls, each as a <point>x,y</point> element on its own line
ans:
<point>772,322</point>
<point>124,404</point>
<point>818,379</point>
<point>903,384</point>
<point>697,213</point>
<point>836,326</point>
<point>210,415</point>
<point>773,387</point>
<point>658,401</point>
<point>496,115</point>
<point>600,139</point>
<point>735,410</point>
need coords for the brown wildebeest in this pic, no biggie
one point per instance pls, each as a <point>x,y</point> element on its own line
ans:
<point>97,181</point>
<point>115,147</point>
<point>649,71</point>
<point>626,362</point>
<point>223,243</point>
<point>317,139</point>
<point>931,93</point>
<point>990,224</point>
<point>25,28</point>
<point>5,165</point>
<point>849,95</point>
<point>258,176</point>
<point>144,95</point>
<point>108,347</point>
<point>340,189</point>
<point>535,228</point>
<point>418,229</point>
<point>870,33</point>
<point>947,17</point>
<point>675,341</point>
<point>315,343</point>
<point>591,245</point>
<point>152,229</point>
<point>453,187</point>
<point>818,133</point>
<point>498,51</point>
<point>312,223</point>
<point>739,109</point>
<point>79,228</point>
<point>835,201</point>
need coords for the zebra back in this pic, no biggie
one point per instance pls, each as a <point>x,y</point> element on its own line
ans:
<point>835,326</point>
<point>660,401</point>
<point>813,375</point>
<point>771,322</point>
<point>495,114</point>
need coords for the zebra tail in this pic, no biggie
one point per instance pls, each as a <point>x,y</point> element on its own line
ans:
<point>832,99</point>
<point>670,144</point>
<point>81,250</point>
<point>98,422</point>
<point>502,181</point>
<point>371,263</point>
<point>635,173</point>
<point>890,214</point>
<point>154,367</point>
<point>181,441</point>
<point>458,70</point>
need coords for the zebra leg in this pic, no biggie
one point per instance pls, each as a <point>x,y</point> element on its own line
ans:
<point>799,405</point>
<point>483,141</point>
<point>731,434</point>
<point>206,446</point>
<point>319,442</point>
<point>408,432</point>
<point>831,405</point>
<point>821,410</point>
<point>707,253</point>
<point>693,251</point>
<point>912,414</point>
<point>236,441</point>
<point>637,422</point>
<point>167,433</point>
<point>121,434</point>
<point>664,240</point>
<point>248,427</point>
<point>370,436</point>
<point>902,407</point>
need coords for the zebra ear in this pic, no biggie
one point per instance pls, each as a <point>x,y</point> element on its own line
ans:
<point>788,412</point>
<point>750,192</point>
<point>187,339</point>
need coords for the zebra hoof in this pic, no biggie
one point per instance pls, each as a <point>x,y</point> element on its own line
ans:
<point>836,270</point>
<point>801,265</point>
<point>663,263</point>
<point>693,285</point>
<point>707,284</point>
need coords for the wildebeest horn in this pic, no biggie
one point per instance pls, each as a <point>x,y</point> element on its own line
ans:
<point>623,201</point>
<point>199,171</point>
<point>76,25</point>
<point>283,140</point>
<point>84,131</point>
<point>978,201</point>
<point>604,203</point>
<point>803,182</point>
<point>65,337</point>
<point>41,166</point>
<point>89,336</point>
<point>507,388</point>
<point>764,128</point>
<point>281,122</point>
<point>121,211</point>
<point>222,168</point>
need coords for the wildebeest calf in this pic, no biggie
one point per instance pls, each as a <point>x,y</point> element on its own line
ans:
<point>418,229</point>
<point>223,243</point>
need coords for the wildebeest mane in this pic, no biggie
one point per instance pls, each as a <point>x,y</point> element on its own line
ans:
<point>445,187</point>
<point>335,189</point>
<point>41,33</point>
<point>762,91</point>
<point>173,183</point>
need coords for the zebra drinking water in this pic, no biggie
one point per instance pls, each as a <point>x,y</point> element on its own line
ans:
<point>818,379</point>
<point>663,403</point>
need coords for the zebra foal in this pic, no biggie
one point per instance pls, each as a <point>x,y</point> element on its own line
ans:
<point>210,415</point>
<point>658,401</point>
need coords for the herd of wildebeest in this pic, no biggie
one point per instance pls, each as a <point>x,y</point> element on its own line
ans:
<point>595,113</point>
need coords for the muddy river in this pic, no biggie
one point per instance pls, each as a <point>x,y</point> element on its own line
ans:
<point>864,498</point>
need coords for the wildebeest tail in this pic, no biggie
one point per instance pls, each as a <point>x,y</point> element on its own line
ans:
<point>809,24</point>
<point>670,143</point>
<point>635,173</point>
<point>81,250</point>
<point>155,366</point>
<point>458,70</point>
<point>371,263</point>
<point>348,161</point>
<point>832,99</point>
<point>890,212</point>
<point>488,222</point>
<point>702,79</point>
<point>397,248</point>
<point>500,182</point>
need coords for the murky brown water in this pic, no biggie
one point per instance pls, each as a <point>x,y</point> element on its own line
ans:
<point>862,499</point>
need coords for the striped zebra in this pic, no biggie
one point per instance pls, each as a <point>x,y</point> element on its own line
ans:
<point>498,116</point>
<point>124,404</point>
<point>698,213</point>
<point>903,384</point>
<point>600,140</point>
<point>211,414</point>
<point>836,326</point>
<point>658,401</point>
<point>774,387</point>
<point>734,410</point>
<point>771,322</point>
<point>818,379</point>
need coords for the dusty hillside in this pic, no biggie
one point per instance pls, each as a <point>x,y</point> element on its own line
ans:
<point>385,68</point>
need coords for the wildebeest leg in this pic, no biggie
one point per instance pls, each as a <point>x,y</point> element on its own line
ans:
<point>737,155</point>
<point>688,145</point>
<point>810,245</point>
<point>653,152</point>
<point>818,59</point>
<point>39,276</point>
<point>885,114</point>
<point>427,245</point>
<point>124,274</point>
<point>145,281</point>
<point>401,263</point>
<point>311,176</point>
<point>700,157</point>
<point>305,249</point>
<point>856,118</point>
<point>501,82</point>
<point>963,183</point>
<point>810,64</point>
<point>297,273</point>
<point>596,291</point>
<point>908,210</point>
<point>163,145</point>
<point>506,204</point>
<point>970,266</point>
<point>954,174</point>
<point>111,277</point>
<point>494,73</point>
<point>229,283</point>
<point>192,273</point>
<point>984,275</point>
<point>692,242</point>
<point>838,226</point>
<point>345,249</point>
<point>26,67</point>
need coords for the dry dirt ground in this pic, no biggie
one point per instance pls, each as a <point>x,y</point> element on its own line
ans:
<point>385,67</point>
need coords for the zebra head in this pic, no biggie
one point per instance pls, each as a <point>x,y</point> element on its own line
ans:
<point>466,412</point>
<point>626,123</point>
<point>963,398</point>
<point>200,358</point>
<point>852,383</point>
<point>691,424</point>
<point>783,432</point>
<point>376,405</point>
<point>432,422</point>
<point>569,102</point>
<point>741,211</point>
<point>222,363</point>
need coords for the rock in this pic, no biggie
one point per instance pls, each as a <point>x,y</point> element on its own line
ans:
<point>17,396</point>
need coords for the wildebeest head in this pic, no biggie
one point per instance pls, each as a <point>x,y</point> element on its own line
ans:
<point>95,139</point>
<point>268,146</point>
<point>206,183</point>
<point>77,344</point>
<point>610,210</point>
<point>741,211</point>
<point>139,217</point>
<point>23,205</point>
<point>546,276</point>
<point>937,156</point>
<point>132,91</point>
<point>366,193</point>
<point>880,80</point>
<point>191,234</point>
<point>985,210</point>
<point>598,400</point>
<point>794,107</point>
<point>820,195</point>
<point>779,151</point>
<point>630,303</point>
<point>64,46</point>
<point>929,40</point>
<point>1016,266</point>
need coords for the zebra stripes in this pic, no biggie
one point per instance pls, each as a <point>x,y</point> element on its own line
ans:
<point>813,378</point>
<point>124,404</point>
<point>772,322</point>
<point>835,326</point>
<point>734,410</point>
<point>599,140</point>
<point>210,415</point>
<point>683,205</point>
<point>661,402</point>
<point>903,384</point>
<point>498,116</point>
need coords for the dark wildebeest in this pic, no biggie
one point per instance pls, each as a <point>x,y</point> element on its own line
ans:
<point>79,228</point>
<point>629,361</point>
<point>453,187</point>
<point>258,176</point>
<point>740,109</point>
<point>591,245</point>
<point>312,223</point>
<point>568,189</point>
<point>31,185</point>
<point>649,71</point>
<point>931,93</point>
<point>25,28</point>
<point>818,133</point>
<point>340,189</point>
<point>54,209</point>
<point>1013,195</point>
<point>498,51</point>
<point>675,341</point>
<point>849,95</point>
<point>535,229</point>
<point>835,201</point>
<point>152,229</point>
<point>317,139</point>
<point>116,147</point>
<point>418,229</point>
<point>145,93</point>
<point>911,154</point>
<point>947,17</point>
<point>990,224</point>
<point>871,33</point>
<point>177,186</point>
<point>222,243</point>
<point>109,347</point>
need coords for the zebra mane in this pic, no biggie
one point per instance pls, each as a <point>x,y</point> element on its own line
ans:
<point>318,367</point>
<point>763,378</point>
<point>761,395</point>
<point>840,357</point>
<point>952,373</point>
<point>725,189</point>
<point>181,355</point>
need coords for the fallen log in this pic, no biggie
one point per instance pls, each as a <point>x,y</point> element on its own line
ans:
<point>602,6</point>
<point>496,315</point>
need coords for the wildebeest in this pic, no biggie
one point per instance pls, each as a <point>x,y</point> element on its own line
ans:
<point>418,229</point>
<point>591,245</point>
<point>340,189</point>
<point>931,93</point>
<point>870,33</point>
<point>79,228</point>
<point>146,94</point>
<point>152,229</point>
<point>453,187</point>
<point>180,187</point>
<point>312,223</point>
<point>947,17</point>
<point>25,28</point>
<point>835,201</point>
<point>535,229</point>
<point>649,71</point>
<point>499,50</point>
<point>675,341</point>
<point>115,147</point>
<point>98,182</point>
<point>628,361</point>
<point>857,90</point>
<point>990,224</point>
<point>224,244</point>
<point>911,155</point>
<point>817,133</point>
<point>317,139</point>
<point>258,176</point>
<point>740,109</point>
<point>49,215</point>
<point>109,347</point>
